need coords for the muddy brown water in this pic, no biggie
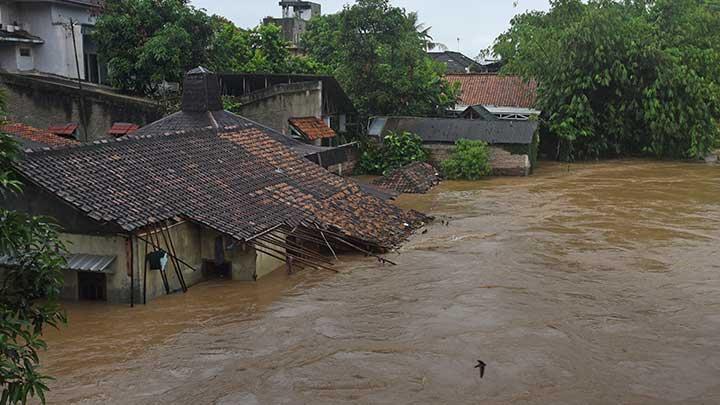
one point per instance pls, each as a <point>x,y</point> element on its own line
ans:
<point>584,284</point>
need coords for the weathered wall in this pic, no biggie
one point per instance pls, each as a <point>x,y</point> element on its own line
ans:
<point>118,282</point>
<point>502,162</point>
<point>276,105</point>
<point>41,103</point>
<point>186,238</point>
<point>247,264</point>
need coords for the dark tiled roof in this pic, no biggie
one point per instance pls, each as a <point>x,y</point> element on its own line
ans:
<point>239,181</point>
<point>478,112</point>
<point>495,90</point>
<point>456,62</point>
<point>449,130</point>
<point>415,178</point>
<point>63,129</point>
<point>123,128</point>
<point>312,128</point>
<point>183,120</point>
<point>34,138</point>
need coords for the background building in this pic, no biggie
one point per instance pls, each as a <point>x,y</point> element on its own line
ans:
<point>295,16</point>
<point>37,36</point>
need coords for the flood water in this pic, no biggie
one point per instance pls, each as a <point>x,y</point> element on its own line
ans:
<point>583,284</point>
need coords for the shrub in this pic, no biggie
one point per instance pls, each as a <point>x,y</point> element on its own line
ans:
<point>397,150</point>
<point>469,161</point>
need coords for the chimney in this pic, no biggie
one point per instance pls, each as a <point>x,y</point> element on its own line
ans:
<point>201,91</point>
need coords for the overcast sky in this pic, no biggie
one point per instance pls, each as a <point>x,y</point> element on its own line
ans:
<point>476,22</point>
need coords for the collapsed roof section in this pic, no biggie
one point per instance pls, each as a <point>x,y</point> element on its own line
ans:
<point>241,181</point>
<point>415,178</point>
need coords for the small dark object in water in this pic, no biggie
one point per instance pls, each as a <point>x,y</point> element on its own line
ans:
<point>481,365</point>
<point>424,231</point>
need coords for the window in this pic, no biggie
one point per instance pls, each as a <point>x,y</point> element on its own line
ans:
<point>25,52</point>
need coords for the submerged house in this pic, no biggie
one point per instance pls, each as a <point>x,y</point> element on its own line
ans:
<point>513,143</point>
<point>506,97</point>
<point>168,206</point>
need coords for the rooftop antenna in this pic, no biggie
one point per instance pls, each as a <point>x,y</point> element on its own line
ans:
<point>458,44</point>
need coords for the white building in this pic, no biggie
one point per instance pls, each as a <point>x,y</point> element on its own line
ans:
<point>37,36</point>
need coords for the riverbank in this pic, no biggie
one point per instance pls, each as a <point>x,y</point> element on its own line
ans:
<point>592,283</point>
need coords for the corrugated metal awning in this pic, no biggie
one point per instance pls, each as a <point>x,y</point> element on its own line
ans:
<point>77,262</point>
<point>81,262</point>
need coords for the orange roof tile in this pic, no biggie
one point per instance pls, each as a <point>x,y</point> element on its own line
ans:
<point>122,128</point>
<point>496,90</point>
<point>35,137</point>
<point>312,128</point>
<point>63,129</point>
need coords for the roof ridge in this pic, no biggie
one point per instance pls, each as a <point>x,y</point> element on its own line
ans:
<point>122,139</point>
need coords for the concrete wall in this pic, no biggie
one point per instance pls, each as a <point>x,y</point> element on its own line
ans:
<point>247,264</point>
<point>118,282</point>
<point>41,103</point>
<point>502,162</point>
<point>275,106</point>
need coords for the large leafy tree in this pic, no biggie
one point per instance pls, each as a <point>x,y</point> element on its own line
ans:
<point>146,42</point>
<point>261,49</point>
<point>378,54</point>
<point>622,77</point>
<point>29,287</point>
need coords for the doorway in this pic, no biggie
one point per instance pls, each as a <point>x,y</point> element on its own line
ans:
<point>92,286</point>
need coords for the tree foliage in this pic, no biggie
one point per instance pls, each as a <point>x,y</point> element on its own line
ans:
<point>622,77</point>
<point>261,49</point>
<point>28,290</point>
<point>146,42</point>
<point>469,161</point>
<point>397,150</point>
<point>377,53</point>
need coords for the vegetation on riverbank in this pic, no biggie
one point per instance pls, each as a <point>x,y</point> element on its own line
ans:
<point>622,77</point>
<point>469,161</point>
<point>397,150</point>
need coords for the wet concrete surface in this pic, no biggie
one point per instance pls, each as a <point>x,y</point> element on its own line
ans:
<point>583,284</point>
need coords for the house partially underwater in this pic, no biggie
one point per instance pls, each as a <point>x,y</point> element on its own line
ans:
<point>178,202</point>
<point>513,144</point>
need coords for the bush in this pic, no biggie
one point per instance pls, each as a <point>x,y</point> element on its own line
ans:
<point>397,150</point>
<point>469,161</point>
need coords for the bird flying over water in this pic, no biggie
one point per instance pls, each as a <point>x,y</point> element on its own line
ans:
<point>481,365</point>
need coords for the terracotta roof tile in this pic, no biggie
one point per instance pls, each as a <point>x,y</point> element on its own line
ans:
<point>122,128</point>
<point>495,90</point>
<point>63,129</point>
<point>312,128</point>
<point>32,137</point>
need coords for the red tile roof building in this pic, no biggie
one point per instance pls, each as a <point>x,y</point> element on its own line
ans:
<point>312,128</point>
<point>490,89</point>
<point>31,137</point>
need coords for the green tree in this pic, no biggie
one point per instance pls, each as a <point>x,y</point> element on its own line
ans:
<point>469,161</point>
<point>377,53</point>
<point>148,41</point>
<point>29,287</point>
<point>397,150</point>
<point>622,77</point>
<point>261,50</point>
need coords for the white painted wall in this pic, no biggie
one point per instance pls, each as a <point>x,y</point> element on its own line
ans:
<point>48,21</point>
